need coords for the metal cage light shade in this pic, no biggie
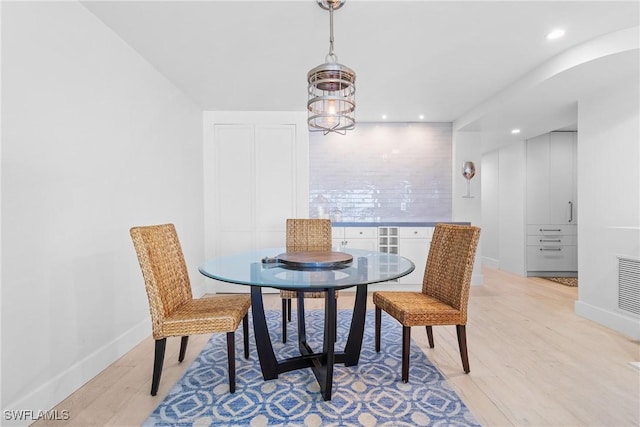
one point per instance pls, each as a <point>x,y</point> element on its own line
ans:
<point>331,89</point>
<point>332,94</point>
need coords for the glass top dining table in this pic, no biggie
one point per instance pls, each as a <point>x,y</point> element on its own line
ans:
<point>261,269</point>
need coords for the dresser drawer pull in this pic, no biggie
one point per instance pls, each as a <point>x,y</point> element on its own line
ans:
<point>551,229</point>
<point>551,249</point>
<point>550,240</point>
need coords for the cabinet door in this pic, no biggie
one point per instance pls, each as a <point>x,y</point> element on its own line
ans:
<point>337,238</point>
<point>537,185</point>
<point>367,244</point>
<point>417,251</point>
<point>551,179</point>
<point>562,177</point>
<point>361,238</point>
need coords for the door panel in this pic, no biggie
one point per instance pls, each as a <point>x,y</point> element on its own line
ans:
<point>275,176</point>
<point>234,175</point>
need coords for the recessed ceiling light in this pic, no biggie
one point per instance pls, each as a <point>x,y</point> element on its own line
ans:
<point>384,117</point>
<point>555,34</point>
<point>421,116</point>
<point>515,131</point>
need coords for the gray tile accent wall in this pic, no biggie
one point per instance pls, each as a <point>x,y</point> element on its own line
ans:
<point>382,172</point>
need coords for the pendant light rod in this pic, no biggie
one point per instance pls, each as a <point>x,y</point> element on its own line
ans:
<point>331,5</point>
<point>331,34</point>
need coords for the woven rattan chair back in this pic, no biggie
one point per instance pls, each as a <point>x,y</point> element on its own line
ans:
<point>449,267</point>
<point>304,234</point>
<point>164,271</point>
<point>308,234</point>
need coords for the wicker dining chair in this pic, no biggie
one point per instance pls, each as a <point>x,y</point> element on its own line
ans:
<point>174,312</point>
<point>304,235</point>
<point>445,292</point>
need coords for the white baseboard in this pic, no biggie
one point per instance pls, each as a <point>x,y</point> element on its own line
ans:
<point>490,262</point>
<point>625,324</point>
<point>65,383</point>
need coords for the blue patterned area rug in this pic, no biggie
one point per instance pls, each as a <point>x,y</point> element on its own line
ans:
<point>370,394</point>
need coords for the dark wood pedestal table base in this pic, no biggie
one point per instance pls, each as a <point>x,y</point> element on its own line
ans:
<point>367,267</point>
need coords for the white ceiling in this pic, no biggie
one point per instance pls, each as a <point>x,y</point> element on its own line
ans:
<point>441,59</point>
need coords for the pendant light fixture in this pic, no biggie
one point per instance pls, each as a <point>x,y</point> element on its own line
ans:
<point>332,88</point>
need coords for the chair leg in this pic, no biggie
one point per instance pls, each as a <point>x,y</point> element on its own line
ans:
<point>406,342</point>
<point>284,319</point>
<point>183,347</point>
<point>462,343</point>
<point>231,356</point>
<point>430,335</point>
<point>161,344</point>
<point>245,334</point>
<point>377,328</point>
<point>289,310</point>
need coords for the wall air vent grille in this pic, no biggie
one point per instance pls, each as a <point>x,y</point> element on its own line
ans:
<point>629,285</point>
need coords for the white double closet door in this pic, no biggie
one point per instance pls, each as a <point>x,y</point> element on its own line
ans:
<point>256,176</point>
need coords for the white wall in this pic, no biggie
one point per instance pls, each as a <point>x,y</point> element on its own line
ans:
<point>94,141</point>
<point>491,209</point>
<point>511,204</point>
<point>499,183</point>
<point>503,197</point>
<point>609,195</point>
<point>467,146</point>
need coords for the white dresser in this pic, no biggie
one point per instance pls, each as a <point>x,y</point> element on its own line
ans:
<point>551,248</point>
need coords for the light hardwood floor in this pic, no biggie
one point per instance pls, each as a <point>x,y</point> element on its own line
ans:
<point>533,363</point>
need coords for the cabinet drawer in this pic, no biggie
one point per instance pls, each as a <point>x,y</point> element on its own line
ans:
<point>551,229</point>
<point>561,258</point>
<point>416,232</point>
<point>360,232</point>
<point>551,240</point>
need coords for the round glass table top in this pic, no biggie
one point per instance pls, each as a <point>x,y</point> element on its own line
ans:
<point>259,268</point>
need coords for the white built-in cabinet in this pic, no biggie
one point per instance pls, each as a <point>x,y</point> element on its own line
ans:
<point>408,241</point>
<point>551,179</point>
<point>414,244</point>
<point>256,175</point>
<point>551,204</point>
<point>355,237</point>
